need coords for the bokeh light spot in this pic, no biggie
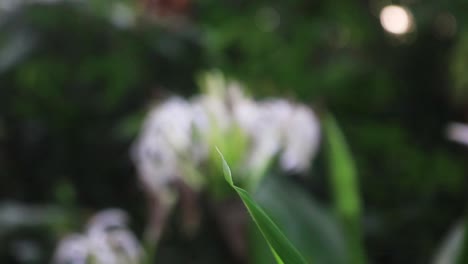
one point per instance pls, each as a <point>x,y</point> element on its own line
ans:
<point>396,19</point>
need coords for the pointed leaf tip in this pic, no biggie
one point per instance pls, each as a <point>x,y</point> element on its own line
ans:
<point>226,169</point>
<point>280,246</point>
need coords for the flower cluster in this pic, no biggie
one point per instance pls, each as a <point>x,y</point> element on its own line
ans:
<point>105,241</point>
<point>178,136</point>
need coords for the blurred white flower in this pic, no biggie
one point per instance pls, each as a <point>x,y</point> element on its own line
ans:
<point>166,135</point>
<point>458,132</point>
<point>281,126</point>
<point>266,134</point>
<point>178,137</point>
<point>106,241</point>
<point>245,111</point>
<point>301,134</point>
<point>72,249</point>
<point>186,128</point>
<point>110,218</point>
<point>172,122</point>
<point>122,15</point>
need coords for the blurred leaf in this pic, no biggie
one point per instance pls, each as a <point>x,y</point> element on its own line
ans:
<point>461,255</point>
<point>345,188</point>
<point>310,228</point>
<point>128,126</point>
<point>280,246</point>
<point>451,247</point>
<point>459,67</point>
<point>16,46</point>
<point>15,216</point>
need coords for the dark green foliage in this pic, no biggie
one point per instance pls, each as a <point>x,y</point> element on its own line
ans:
<point>74,88</point>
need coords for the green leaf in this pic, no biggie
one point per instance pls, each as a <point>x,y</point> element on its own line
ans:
<point>226,170</point>
<point>344,184</point>
<point>282,249</point>
<point>310,227</point>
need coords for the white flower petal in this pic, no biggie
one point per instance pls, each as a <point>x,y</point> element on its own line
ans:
<point>73,248</point>
<point>302,137</point>
<point>458,132</point>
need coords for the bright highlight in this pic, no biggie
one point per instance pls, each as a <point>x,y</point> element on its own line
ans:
<point>396,19</point>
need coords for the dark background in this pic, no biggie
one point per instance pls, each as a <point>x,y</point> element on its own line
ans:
<point>74,88</point>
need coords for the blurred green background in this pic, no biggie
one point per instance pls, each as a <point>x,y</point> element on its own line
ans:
<point>76,78</point>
